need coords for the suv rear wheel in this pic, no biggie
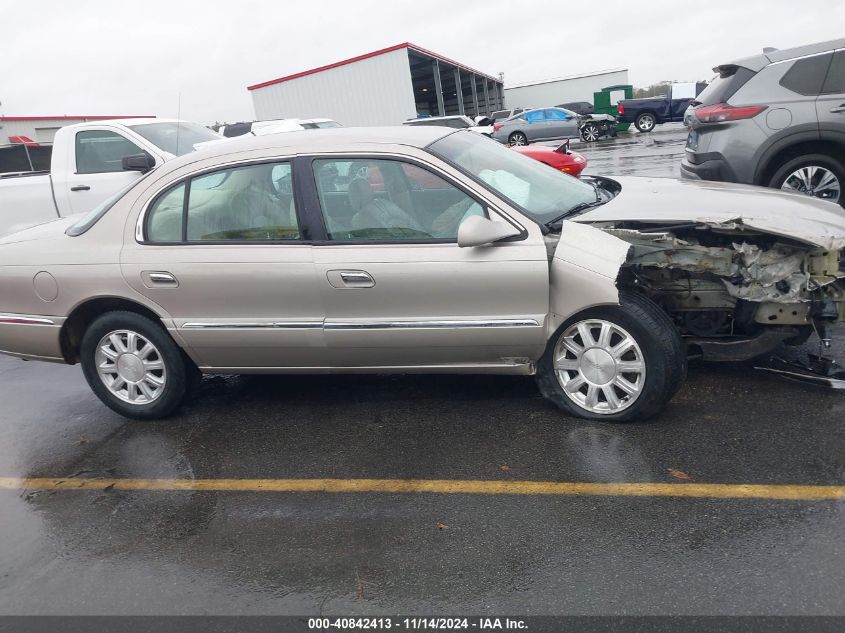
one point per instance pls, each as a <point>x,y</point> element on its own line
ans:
<point>816,175</point>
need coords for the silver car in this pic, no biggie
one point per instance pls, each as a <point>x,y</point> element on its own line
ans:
<point>416,249</point>
<point>776,119</point>
<point>546,124</point>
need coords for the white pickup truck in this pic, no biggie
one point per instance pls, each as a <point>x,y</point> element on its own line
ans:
<point>91,162</point>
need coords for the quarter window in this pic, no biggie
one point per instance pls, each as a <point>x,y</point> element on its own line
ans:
<point>101,151</point>
<point>389,200</point>
<point>806,75</point>
<point>252,203</point>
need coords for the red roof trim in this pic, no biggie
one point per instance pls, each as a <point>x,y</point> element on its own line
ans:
<point>359,58</point>
<point>75,118</point>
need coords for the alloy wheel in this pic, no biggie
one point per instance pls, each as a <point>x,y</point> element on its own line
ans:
<point>599,366</point>
<point>591,133</point>
<point>519,139</point>
<point>646,123</point>
<point>815,181</point>
<point>131,367</point>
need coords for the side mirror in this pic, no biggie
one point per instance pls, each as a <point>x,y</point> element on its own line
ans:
<point>143,162</point>
<point>478,231</point>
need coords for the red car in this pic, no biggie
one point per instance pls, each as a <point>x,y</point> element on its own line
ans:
<point>561,158</point>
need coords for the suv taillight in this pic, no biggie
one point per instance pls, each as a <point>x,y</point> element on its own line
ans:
<point>620,108</point>
<point>497,127</point>
<point>719,112</point>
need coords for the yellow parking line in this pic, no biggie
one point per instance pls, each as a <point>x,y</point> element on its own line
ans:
<point>442,486</point>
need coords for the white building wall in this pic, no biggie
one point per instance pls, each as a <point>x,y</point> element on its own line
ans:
<point>41,131</point>
<point>372,91</point>
<point>550,93</point>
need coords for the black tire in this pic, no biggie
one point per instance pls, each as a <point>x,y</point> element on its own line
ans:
<point>180,372</point>
<point>590,129</point>
<point>518,138</point>
<point>834,165</point>
<point>645,122</point>
<point>664,355</point>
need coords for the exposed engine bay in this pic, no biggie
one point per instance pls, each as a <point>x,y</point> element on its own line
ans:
<point>734,293</point>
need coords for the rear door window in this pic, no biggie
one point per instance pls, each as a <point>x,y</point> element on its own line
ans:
<point>535,116</point>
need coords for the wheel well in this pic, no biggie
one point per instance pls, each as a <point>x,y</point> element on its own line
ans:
<point>653,114</point>
<point>832,148</point>
<point>84,314</point>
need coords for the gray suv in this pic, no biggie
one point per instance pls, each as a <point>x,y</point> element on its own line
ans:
<point>775,119</point>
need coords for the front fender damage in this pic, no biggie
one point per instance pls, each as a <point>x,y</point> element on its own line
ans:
<point>584,267</point>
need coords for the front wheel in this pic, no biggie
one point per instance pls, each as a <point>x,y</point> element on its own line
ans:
<point>134,367</point>
<point>590,133</point>
<point>816,175</point>
<point>518,138</point>
<point>615,363</point>
<point>645,122</point>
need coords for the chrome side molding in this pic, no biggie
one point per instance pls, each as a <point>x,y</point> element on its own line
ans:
<point>23,319</point>
<point>364,325</point>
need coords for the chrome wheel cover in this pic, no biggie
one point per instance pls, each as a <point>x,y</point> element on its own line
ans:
<point>599,366</point>
<point>647,122</point>
<point>815,181</point>
<point>131,367</point>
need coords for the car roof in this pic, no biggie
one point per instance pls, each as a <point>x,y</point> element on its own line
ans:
<point>336,138</point>
<point>436,118</point>
<point>758,62</point>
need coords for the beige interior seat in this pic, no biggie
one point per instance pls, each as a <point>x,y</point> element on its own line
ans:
<point>376,213</point>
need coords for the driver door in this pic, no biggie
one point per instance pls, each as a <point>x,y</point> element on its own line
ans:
<point>397,289</point>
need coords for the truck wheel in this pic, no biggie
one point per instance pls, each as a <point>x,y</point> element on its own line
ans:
<point>590,133</point>
<point>645,122</point>
<point>816,175</point>
<point>614,363</point>
<point>134,367</point>
<point>518,138</point>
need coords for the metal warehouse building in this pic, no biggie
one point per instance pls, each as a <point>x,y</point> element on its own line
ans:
<point>42,129</point>
<point>564,89</point>
<point>384,87</point>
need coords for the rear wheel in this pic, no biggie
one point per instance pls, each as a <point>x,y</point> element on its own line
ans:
<point>590,133</point>
<point>616,363</point>
<point>134,367</point>
<point>518,138</point>
<point>645,122</point>
<point>816,175</point>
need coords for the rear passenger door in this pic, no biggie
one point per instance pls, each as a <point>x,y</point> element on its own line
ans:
<point>535,128</point>
<point>397,289</point>
<point>223,253</point>
<point>559,124</point>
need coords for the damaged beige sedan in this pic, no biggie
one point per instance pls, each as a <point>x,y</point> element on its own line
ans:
<point>402,250</point>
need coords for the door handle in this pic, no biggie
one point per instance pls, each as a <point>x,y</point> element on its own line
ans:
<point>350,279</point>
<point>80,188</point>
<point>357,277</point>
<point>838,109</point>
<point>158,279</point>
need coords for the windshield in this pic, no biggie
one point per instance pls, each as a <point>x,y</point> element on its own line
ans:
<point>542,193</point>
<point>176,138</point>
<point>93,216</point>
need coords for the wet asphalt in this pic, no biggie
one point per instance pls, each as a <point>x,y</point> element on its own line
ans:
<point>165,552</point>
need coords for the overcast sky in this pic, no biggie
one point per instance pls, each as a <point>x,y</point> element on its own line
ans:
<point>97,58</point>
